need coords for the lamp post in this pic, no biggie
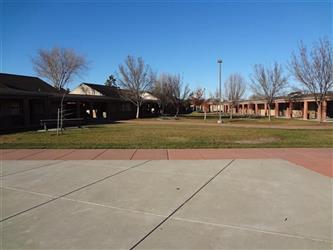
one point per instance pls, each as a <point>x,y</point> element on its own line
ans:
<point>219,61</point>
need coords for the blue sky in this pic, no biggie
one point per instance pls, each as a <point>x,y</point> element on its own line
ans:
<point>183,37</point>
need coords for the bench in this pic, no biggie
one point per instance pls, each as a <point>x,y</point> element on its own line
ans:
<point>72,121</point>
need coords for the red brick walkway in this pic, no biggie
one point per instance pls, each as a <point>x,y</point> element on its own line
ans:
<point>319,160</point>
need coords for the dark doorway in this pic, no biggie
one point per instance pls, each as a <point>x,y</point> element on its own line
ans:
<point>330,109</point>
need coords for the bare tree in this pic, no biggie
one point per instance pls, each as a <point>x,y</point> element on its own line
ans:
<point>59,65</point>
<point>197,97</point>
<point>215,96</point>
<point>234,89</point>
<point>161,89</point>
<point>179,93</point>
<point>136,77</point>
<point>314,70</point>
<point>268,83</point>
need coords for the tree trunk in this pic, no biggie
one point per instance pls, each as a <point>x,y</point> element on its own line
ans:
<point>231,109</point>
<point>177,112</point>
<point>62,112</point>
<point>137,111</point>
<point>269,112</point>
<point>319,111</point>
<point>162,109</point>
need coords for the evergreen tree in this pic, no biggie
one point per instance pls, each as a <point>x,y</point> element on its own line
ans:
<point>111,81</point>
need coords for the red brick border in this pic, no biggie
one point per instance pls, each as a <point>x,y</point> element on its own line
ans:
<point>317,159</point>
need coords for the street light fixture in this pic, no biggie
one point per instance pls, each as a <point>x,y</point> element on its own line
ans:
<point>219,61</point>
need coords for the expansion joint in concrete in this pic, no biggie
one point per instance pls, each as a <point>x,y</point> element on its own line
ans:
<point>181,205</point>
<point>64,155</point>
<point>26,170</point>
<point>32,154</point>
<point>75,190</point>
<point>133,154</point>
<point>99,154</point>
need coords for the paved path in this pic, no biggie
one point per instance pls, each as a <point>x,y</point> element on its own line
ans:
<point>319,160</point>
<point>314,125</point>
<point>165,204</point>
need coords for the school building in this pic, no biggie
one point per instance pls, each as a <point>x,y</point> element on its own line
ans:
<point>295,105</point>
<point>26,100</point>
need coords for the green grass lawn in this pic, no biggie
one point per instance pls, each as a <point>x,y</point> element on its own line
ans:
<point>170,135</point>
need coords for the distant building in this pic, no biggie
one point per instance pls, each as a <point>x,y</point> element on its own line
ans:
<point>150,105</point>
<point>295,105</point>
<point>26,100</point>
<point>103,90</point>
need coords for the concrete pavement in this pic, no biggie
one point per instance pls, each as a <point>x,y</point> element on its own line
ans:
<point>164,204</point>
